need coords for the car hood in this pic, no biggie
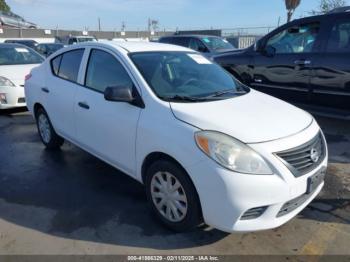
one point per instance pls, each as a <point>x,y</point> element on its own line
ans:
<point>251,118</point>
<point>16,73</point>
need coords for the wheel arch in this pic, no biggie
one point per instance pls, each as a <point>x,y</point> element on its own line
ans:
<point>155,156</point>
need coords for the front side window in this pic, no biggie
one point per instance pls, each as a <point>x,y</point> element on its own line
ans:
<point>197,45</point>
<point>70,64</point>
<point>183,75</point>
<point>19,55</point>
<point>339,39</point>
<point>217,43</point>
<point>104,70</point>
<point>296,39</point>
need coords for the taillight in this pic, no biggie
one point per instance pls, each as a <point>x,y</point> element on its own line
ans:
<point>27,77</point>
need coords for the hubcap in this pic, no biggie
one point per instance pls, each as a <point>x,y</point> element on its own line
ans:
<point>168,196</point>
<point>44,128</point>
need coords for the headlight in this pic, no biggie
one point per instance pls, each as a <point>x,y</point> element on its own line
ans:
<point>231,153</point>
<point>5,82</point>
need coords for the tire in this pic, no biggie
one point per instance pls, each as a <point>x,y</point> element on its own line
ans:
<point>47,134</point>
<point>179,211</point>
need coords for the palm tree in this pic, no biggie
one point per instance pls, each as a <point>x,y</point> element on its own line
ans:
<point>291,5</point>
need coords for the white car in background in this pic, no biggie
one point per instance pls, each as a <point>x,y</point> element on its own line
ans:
<point>206,147</point>
<point>16,61</point>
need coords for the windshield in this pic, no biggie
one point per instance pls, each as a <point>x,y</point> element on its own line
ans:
<point>86,39</point>
<point>217,43</point>
<point>186,76</point>
<point>19,56</point>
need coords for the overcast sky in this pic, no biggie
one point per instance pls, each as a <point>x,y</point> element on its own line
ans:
<point>184,14</point>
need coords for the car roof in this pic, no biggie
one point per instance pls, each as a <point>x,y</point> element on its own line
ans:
<point>196,36</point>
<point>7,45</point>
<point>50,44</point>
<point>132,47</point>
<point>21,40</point>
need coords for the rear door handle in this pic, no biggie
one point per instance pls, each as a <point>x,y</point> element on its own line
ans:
<point>45,89</point>
<point>84,105</point>
<point>302,62</point>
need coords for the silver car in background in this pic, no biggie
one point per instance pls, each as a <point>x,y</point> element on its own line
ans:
<point>9,19</point>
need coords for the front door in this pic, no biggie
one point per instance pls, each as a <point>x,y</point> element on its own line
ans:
<point>284,67</point>
<point>106,129</point>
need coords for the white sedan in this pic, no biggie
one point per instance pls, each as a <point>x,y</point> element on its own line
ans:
<point>16,61</point>
<point>206,147</point>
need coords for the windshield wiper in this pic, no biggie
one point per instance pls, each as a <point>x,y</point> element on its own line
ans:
<point>184,98</point>
<point>224,92</point>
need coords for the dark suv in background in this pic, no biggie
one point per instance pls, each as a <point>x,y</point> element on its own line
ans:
<point>206,44</point>
<point>306,62</point>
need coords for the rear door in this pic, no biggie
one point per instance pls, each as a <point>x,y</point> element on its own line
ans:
<point>331,81</point>
<point>60,90</point>
<point>286,71</point>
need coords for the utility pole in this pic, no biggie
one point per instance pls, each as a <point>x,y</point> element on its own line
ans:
<point>99,24</point>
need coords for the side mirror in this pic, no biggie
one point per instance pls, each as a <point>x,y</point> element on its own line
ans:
<point>270,51</point>
<point>119,94</point>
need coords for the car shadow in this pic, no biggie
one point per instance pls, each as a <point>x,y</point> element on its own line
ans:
<point>10,112</point>
<point>71,194</point>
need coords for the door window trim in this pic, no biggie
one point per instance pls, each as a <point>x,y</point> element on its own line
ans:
<point>87,67</point>
<point>62,54</point>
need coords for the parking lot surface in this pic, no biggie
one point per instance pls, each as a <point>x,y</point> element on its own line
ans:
<point>69,202</point>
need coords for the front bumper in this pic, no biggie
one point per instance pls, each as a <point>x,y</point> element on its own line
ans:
<point>14,97</point>
<point>226,196</point>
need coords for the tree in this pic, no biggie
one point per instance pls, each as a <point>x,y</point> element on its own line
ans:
<point>328,5</point>
<point>291,5</point>
<point>4,6</point>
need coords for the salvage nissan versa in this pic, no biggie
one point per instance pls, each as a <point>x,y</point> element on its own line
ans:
<point>206,147</point>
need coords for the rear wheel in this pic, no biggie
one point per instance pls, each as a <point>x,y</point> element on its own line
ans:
<point>172,196</point>
<point>47,134</point>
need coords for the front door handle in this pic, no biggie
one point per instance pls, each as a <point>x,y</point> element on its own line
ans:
<point>84,105</point>
<point>45,89</point>
<point>302,62</point>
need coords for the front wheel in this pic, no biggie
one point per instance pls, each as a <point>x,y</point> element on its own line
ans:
<point>172,196</point>
<point>47,134</point>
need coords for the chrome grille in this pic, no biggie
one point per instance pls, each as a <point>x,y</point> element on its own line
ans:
<point>303,159</point>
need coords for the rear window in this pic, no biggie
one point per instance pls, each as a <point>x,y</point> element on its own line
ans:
<point>181,41</point>
<point>67,65</point>
<point>19,55</point>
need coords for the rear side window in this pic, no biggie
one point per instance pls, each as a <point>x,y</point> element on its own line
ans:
<point>55,64</point>
<point>104,70</point>
<point>67,65</point>
<point>339,39</point>
<point>182,41</point>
